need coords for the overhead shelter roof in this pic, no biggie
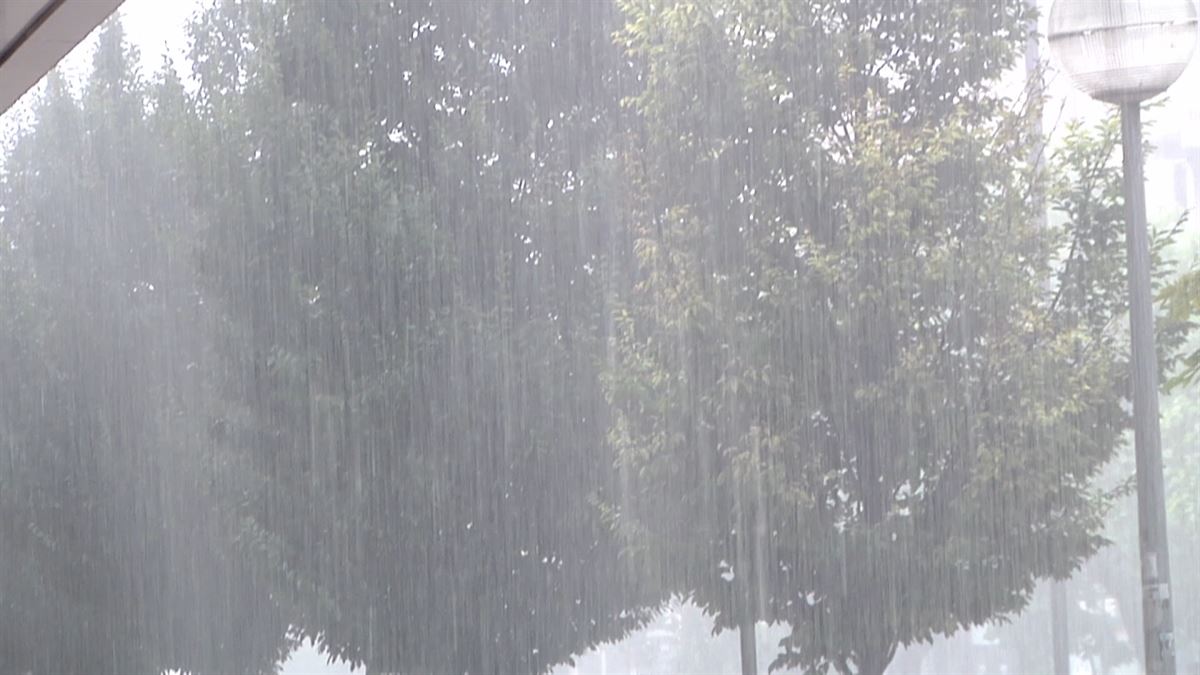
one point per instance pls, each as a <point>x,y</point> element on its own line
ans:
<point>36,34</point>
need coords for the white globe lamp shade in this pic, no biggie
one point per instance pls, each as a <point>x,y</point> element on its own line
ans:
<point>1123,51</point>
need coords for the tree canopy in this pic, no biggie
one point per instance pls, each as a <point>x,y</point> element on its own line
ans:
<point>852,360</point>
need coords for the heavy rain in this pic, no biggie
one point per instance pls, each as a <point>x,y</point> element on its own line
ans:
<point>482,337</point>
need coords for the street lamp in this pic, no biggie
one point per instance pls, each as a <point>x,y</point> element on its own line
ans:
<point>1124,52</point>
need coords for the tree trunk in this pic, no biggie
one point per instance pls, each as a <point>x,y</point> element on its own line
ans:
<point>1058,628</point>
<point>744,599</point>
<point>749,643</point>
<point>874,661</point>
<point>746,578</point>
<point>744,604</point>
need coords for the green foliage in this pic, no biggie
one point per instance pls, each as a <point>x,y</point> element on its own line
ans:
<point>852,362</point>
<point>1182,300</point>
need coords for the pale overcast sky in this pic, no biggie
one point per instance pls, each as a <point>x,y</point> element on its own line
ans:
<point>157,27</point>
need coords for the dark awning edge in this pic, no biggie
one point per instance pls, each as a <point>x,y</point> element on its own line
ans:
<point>47,34</point>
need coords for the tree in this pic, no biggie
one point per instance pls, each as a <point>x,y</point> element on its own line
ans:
<point>852,364</point>
<point>1182,300</point>
<point>110,530</point>
<point>412,190</point>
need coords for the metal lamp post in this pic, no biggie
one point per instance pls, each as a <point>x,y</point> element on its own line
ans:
<point>1124,52</point>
